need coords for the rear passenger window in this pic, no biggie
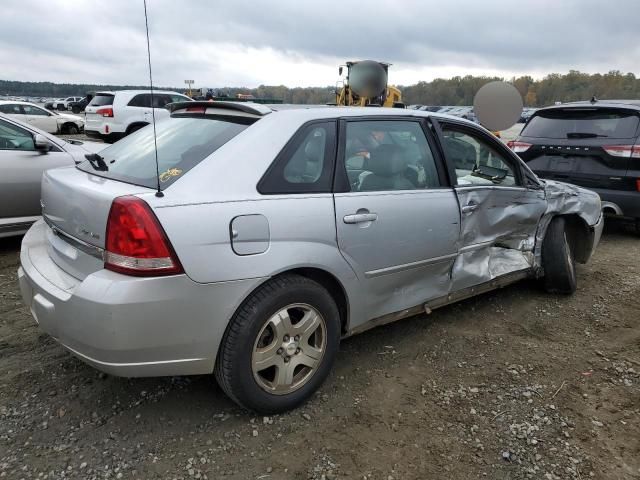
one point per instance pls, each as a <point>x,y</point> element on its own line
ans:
<point>140,100</point>
<point>11,109</point>
<point>305,165</point>
<point>388,155</point>
<point>101,99</point>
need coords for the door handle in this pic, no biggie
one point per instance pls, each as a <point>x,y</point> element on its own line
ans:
<point>469,207</point>
<point>360,218</point>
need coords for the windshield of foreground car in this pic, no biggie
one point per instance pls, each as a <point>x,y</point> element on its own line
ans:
<point>182,144</point>
<point>582,123</point>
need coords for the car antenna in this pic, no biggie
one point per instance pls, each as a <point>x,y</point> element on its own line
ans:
<point>153,112</point>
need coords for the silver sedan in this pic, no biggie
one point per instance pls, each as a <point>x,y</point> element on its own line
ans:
<point>25,152</point>
<point>264,236</point>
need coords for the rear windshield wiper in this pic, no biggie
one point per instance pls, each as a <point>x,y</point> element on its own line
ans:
<point>97,162</point>
<point>584,135</point>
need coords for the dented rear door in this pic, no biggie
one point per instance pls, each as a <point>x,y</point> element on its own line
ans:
<point>499,213</point>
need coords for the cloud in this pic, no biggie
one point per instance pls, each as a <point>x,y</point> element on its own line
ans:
<point>300,43</point>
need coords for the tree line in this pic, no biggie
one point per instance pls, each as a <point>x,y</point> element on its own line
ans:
<point>555,87</point>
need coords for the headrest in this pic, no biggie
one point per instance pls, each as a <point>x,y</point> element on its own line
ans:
<point>314,149</point>
<point>387,160</point>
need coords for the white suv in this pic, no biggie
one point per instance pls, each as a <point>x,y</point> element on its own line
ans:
<point>113,115</point>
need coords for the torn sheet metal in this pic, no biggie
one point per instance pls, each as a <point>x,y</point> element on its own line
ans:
<point>479,266</point>
<point>498,235</point>
<point>567,199</point>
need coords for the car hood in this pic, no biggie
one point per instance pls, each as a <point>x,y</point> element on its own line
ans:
<point>565,198</point>
<point>73,118</point>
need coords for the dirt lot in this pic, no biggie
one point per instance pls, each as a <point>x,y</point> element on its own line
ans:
<point>513,384</point>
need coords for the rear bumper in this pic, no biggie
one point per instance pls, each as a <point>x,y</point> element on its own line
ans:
<point>627,201</point>
<point>109,137</point>
<point>128,326</point>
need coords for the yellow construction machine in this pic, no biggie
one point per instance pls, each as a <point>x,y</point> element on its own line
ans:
<point>366,84</point>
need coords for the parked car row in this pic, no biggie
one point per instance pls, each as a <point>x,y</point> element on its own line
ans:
<point>466,112</point>
<point>47,120</point>
<point>277,233</point>
<point>61,103</point>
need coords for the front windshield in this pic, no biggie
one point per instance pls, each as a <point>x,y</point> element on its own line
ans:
<point>182,143</point>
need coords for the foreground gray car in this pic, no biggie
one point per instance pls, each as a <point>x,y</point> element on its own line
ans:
<point>25,152</point>
<point>276,233</point>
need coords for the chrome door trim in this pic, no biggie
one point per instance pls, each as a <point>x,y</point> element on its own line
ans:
<point>409,266</point>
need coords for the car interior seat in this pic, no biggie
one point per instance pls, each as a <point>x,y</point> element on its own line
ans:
<point>387,165</point>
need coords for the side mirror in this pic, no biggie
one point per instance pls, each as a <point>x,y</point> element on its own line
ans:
<point>41,143</point>
<point>339,70</point>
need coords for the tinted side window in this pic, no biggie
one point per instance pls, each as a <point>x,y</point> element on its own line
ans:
<point>101,100</point>
<point>388,155</point>
<point>30,110</point>
<point>140,100</point>
<point>305,165</point>
<point>13,137</point>
<point>12,109</point>
<point>179,98</point>
<point>476,161</point>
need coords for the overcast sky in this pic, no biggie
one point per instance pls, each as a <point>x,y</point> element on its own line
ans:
<point>301,42</point>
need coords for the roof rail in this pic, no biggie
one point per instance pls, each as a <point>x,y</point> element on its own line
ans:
<point>246,107</point>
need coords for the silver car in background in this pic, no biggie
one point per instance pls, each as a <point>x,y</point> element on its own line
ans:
<point>26,152</point>
<point>269,235</point>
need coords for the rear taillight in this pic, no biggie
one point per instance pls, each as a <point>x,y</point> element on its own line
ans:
<point>136,244</point>
<point>638,184</point>
<point>196,109</point>
<point>518,147</point>
<point>627,151</point>
<point>105,112</point>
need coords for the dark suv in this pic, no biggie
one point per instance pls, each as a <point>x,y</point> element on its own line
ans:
<point>593,144</point>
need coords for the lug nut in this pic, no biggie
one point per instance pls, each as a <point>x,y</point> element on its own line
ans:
<point>286,338</point>
<point>297,351</point>
<point>296,338</point>
<point>280,350</point>
<point>286,359</point>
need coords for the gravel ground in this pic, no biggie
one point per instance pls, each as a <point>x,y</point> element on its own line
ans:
<point>513,384</point>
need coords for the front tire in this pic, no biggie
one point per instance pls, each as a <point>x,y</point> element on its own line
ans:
<point>557,259</point>
<point>71,129</point>
<point>280,345</point>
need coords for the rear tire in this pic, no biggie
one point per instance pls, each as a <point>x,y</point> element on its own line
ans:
<point>557,259</point>
<point>284,327</point>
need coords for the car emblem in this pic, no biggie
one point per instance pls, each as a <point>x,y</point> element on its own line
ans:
<point>88,233</point>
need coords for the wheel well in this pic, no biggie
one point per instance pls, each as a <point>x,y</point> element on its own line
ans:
<point>333,286</point>
<point>577,235</point>
<point>135,125</point>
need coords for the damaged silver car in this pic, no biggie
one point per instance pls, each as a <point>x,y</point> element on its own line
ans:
<point>265,236</point>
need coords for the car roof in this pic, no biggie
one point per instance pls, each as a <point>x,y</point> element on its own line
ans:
<point>304,113</point>
<point>633,104</point>
<point>19,102</point>
<point>113,92</point>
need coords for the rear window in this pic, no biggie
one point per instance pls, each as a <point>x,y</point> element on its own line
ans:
<point>582,123</point>
<point>101,99</point>
<point>183,142</point>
